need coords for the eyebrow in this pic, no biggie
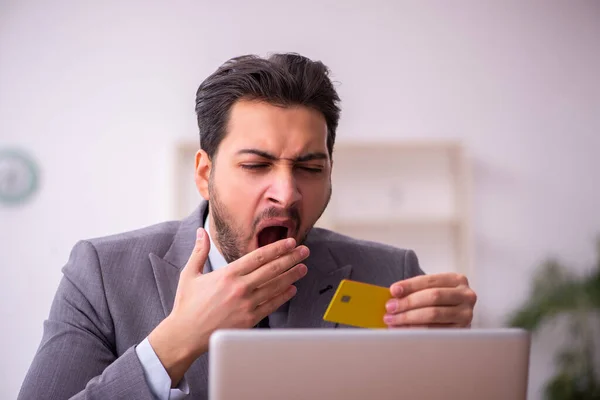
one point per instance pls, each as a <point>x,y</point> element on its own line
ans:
<point>269,156</point>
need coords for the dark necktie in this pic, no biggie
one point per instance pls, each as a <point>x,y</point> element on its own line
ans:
<point>264,323</point>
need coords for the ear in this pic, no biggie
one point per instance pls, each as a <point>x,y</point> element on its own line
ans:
<point>202,173</point>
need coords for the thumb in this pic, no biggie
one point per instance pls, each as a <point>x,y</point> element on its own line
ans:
<point>197,259</point>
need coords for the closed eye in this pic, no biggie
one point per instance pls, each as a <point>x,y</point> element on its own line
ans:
<point>312,170</point>
<point>255,166</point>
<point>264,166</point>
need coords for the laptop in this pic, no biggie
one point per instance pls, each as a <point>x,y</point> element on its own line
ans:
<point>355,364</point>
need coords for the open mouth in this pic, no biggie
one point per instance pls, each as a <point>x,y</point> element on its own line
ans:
<point>271,234</point>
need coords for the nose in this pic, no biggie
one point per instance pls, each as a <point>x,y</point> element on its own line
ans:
<point>284,190</point>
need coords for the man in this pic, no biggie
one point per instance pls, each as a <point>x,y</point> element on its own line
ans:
<point>134,312</point>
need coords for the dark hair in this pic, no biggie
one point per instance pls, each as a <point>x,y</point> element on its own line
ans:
<point>282,79</point>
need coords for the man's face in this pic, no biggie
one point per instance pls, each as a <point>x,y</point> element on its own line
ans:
<point>270,178</point>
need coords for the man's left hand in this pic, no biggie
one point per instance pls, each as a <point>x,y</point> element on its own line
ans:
<point>432,301</point>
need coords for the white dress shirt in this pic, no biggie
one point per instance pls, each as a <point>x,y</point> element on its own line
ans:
<point>156,375</point>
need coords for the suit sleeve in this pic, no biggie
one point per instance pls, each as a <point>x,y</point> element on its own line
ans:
<point>76,358</point>
<point>411,265</point>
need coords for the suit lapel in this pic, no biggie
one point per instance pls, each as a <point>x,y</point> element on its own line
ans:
<point>317,288</point>
<point>167,277</point>
<point>166,273</point>
<point>166,269</point>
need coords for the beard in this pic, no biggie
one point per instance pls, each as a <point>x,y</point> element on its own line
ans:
<point>230,234</point>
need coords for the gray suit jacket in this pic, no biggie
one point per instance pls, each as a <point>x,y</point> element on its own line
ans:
<point>117,289</point>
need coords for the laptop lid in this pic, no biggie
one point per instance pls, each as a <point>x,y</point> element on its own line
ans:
<point>358,364</point>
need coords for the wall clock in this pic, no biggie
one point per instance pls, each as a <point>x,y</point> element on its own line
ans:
<point>19,176</point>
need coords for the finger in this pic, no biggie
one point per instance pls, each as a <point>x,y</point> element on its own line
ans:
<point>412,285</point>
<point>261,256</point>
<point>425,316</point>
<point>279,284</point>
<point>273,269</point>
<point>426,298</point>
<point>197,259</point>
<point>269,307</point>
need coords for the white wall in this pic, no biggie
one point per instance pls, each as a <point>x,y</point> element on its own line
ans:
<point>99,92</point>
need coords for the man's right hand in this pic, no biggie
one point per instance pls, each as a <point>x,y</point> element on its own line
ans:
<point>237,296</point>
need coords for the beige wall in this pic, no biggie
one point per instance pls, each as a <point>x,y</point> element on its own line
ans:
<point>100,92</point>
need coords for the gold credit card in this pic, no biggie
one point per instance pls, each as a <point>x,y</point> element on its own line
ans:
<point>358,304</point>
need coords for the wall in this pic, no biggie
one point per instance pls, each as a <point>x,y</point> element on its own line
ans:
<point>100,92</point>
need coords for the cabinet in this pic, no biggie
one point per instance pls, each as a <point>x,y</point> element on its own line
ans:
<point>410,194</point>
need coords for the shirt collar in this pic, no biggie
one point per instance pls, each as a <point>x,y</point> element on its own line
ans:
<point>215,257</point>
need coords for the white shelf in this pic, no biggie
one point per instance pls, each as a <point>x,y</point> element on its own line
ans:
<point>409,194</point>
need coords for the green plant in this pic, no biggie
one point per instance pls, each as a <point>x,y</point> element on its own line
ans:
<point>555,292</point>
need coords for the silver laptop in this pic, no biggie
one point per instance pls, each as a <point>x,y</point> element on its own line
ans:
<point>350,364</point>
